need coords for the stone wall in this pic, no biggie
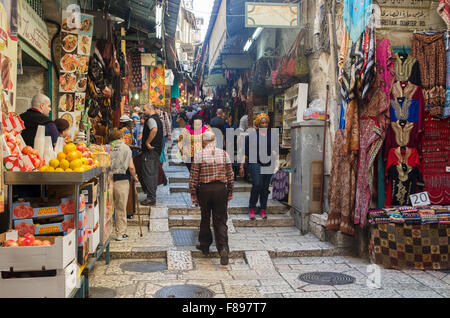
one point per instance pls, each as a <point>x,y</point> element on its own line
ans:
<point>32,82</point>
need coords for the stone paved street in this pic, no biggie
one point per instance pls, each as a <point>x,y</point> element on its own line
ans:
<point>266,256</point>
<point>240,279</point>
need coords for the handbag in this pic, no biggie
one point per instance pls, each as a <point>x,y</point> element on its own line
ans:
<point>294,63</point>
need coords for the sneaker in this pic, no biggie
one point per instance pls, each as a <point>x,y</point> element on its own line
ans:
<point>251,214</point>
<point>223,257</point>
<point>119,238</point>
<point>125,236</point>
<point>205,250</point>
<point>263,214</point>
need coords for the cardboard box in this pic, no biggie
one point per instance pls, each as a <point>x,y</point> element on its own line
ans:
<point>59,286</point>
<point>68,222</point>
<point>90,191</point>
<point>24,210</point>
<point>30,226</point>
<point>68,204</point>
<point>94,239</point>
<point>93,215</point>
<point>31,258</point>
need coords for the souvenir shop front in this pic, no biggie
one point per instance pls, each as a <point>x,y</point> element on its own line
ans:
<point>390,159</point>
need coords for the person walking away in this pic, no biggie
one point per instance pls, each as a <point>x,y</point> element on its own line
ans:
<point>260,182</point>
<point>121,167</point>
<point>190,140</point>
<point>218,122</point>
<point>63,128</point>
<point>174,113</point>
<point>125,127</point>
<point>38,115</point>
<point>211,185</point>
<point>167,131</point>
<point>151,152</point>
<point>182,119</point>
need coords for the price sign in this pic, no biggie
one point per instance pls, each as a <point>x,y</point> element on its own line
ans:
<point>447,169</point>
<point>420,199</point>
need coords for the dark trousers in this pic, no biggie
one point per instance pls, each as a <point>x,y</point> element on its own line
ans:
<point>260,186</point>
<point>213,198</point>
<point>150,169</point>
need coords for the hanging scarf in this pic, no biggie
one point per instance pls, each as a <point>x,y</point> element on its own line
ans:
<point>369,64</point>
<point>446,111</point>
<point>356,16</point>
<point>385,66</point>
<point>444,11</point>
<point>136,70</point>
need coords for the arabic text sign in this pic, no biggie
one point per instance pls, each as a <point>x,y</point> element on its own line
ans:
<point>404,18</point>
<point>272,15</point>
<point>404,3</point>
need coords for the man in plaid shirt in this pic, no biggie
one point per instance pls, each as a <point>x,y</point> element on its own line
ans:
<point>211,184</point>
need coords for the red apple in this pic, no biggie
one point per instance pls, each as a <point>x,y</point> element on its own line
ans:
<point>80,148</point>
<point>26,150</point>
<point>27,242</point>
<point>30,237</point>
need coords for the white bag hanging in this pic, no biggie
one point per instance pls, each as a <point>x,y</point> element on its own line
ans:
<point>59,147</point>
<point>49,152</point>
<point>39,140</point>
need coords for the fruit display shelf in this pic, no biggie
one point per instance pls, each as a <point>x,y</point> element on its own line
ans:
<point>50,178</point>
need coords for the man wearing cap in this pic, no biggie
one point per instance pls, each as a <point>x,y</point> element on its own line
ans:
<point>125,128</point>
<point>211,185</point>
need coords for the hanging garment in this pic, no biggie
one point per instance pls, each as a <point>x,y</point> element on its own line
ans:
<point>402,134</point>
<point>436,157</point>
<point>136,70</point>
<point>357,14</point>
<point>444,11</point>
<point>369,64</point>
<point>352,69</point>
<point>403,108</point>
<point>351,141</point>
<point>404,176</point>
<point>373,123</point>
<point>407,68</point>
<point>385,66</point>
<point>430,52</point>
<point>446,111</point>
<point>342,186</point>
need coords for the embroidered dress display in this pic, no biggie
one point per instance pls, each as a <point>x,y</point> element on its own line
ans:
<point>446,112</point>
<point>405,180</point>
<point>403,108</point>
<point>407,68</point>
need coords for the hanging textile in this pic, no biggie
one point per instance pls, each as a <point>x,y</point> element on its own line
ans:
<point>136,70</point>
<point>385,66</point>
<point>157,85</point>
<point>369,64</point>
<point>407,68</point>
<point>341,193</point>
<point>430,52</point>
<point>175,93</point>
<point>446,112</point>
<point>444,11</point>
<point>356,16</point>
<point>373,123</point>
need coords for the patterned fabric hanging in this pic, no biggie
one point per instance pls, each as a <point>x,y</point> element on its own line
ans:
<point>136,70</point>
<point>446,111</point>
<point>356,16</point>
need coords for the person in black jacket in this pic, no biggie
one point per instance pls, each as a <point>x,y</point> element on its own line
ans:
<point>152,136</point>
<point>38,115</point>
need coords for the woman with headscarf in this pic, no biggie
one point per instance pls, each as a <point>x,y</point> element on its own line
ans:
<point>259,164</point>
<point>190,140</point>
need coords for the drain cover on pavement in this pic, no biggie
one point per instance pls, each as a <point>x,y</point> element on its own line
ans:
<point>184,291</point>
<point>185,237</point>
<point>143,267</point>
<point>101,292</point>
<point>327,278</point>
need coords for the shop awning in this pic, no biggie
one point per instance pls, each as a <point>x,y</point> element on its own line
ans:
<point>218,34</point>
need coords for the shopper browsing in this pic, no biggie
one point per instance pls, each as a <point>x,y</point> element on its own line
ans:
<point>121,167</point>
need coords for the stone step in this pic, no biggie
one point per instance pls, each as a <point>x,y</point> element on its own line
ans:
<point>178,210</point>
<point>184,187</point>
<point>239,220</point>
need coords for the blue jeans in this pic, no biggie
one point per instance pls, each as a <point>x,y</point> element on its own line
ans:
<point>174,121</point>
<point>260,186</point>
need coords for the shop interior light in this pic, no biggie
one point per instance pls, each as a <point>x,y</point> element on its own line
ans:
<point>252,39</point>
<point>158,21</point>
<point>136,96</point>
